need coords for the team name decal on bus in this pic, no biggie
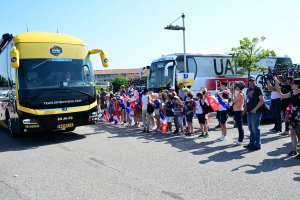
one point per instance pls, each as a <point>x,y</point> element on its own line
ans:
<point>56,50</point>
<point>228,67</point>
<point>61,102</point>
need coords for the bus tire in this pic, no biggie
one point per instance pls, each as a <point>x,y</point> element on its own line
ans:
<point>71,129</point>
<point>12,133</point>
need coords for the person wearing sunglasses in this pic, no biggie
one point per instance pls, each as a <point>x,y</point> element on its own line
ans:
<point>254,100</point>
<point>294,119</point>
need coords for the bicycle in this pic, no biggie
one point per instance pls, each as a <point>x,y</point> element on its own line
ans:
<point>262,78</point>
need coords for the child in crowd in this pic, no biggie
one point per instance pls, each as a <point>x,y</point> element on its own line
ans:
<point>157,104</point>
<point>201,111</point>
<point>223,114</point>
<point>169,112</point>
<point>152,115</point>
<point>178,115</point>
<point>223,87</point>
<point>190,110</point>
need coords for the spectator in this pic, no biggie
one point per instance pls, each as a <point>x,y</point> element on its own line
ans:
<point>223,87</point>
<point>98,101</point>
<point>255,100</point>
<point>102,99</point>
<point>201,107</point>
<point>285,89</point>
<point>122,90</point>
<point>238,103</point>
<point>223,114</point>
<point>163,102</point>
<point>172,91</point>
<point>190,108</point>
<point>181,92</point>
<point>275,107</point>
<point>137,111</point>
<point>145,101</point>
<point>151,99</point>
<point>111,87</point>
<point>169,113</point>
<point>157,103</point>
<point>294,115</point>
<point>178,115</point>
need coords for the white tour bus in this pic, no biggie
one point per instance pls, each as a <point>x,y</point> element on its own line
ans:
<point>208,69</point>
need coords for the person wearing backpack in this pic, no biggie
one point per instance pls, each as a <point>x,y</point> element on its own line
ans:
<point>190,111</point>
<point>201,111</point>
<point>238,104</point>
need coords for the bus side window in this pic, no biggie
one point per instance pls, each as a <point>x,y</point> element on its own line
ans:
<point>192,68</point>
<point>180,67</point>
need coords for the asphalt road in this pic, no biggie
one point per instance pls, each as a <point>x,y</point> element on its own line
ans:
<point>106,161</point>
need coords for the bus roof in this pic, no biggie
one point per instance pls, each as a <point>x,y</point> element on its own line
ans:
<point>204,54</point>
<point>47,38</point>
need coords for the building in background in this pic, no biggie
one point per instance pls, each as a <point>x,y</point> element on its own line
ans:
<point>103,77</point>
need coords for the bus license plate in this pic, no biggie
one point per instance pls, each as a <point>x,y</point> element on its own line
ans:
<point>65,125</point>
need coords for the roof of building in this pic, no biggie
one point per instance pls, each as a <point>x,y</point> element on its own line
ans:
<point>117,71</point>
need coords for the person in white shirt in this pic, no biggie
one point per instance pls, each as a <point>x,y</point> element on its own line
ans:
<point>201,106</point>
<point>275,107</point>
<point>145,101</point>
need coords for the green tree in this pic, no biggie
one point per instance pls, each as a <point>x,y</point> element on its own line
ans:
<point>247,55</point>
<point>119,80</point>
<point>98,87</point>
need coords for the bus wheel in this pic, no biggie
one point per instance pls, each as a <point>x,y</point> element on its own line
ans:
<point>70,129</point>
<point>12,133</point>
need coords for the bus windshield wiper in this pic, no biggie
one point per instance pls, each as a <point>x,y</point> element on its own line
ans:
<point>36,96</point>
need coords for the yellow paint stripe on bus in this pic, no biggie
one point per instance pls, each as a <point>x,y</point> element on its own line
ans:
<point>57,111</point>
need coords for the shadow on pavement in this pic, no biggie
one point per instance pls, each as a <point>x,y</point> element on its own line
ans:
<point>35,140</point>
<point>268,165</point>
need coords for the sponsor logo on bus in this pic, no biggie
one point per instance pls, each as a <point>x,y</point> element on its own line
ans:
<point>56,50</point>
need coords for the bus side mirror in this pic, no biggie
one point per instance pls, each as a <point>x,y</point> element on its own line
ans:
<point>104,59</point>
<point>14,57</point>
<point>103,56</point>
<point>166,73</point>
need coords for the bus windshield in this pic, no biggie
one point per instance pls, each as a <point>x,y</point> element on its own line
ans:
<point>55,72</point>
<point>157,78</point>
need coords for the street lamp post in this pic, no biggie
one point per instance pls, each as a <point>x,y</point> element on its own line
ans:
<point>177,28</point>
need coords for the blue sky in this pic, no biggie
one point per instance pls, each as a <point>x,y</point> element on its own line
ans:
<point>132,31</point>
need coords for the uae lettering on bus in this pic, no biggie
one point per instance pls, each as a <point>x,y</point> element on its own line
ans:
<point>221,70</point>
<point>61,102</point>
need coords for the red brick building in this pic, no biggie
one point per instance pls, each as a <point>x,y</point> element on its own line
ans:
<point>103,77</point>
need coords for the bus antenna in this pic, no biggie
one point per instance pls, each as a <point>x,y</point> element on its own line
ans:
<point>26,25</point>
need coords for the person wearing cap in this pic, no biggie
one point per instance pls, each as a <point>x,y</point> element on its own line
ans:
<point>254,100</point>
<point>172,91</point>
<point>238,99</point>
<point>223,86</point>
<point>223,114</point>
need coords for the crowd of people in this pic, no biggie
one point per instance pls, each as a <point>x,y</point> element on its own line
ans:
<point>130,107</point>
